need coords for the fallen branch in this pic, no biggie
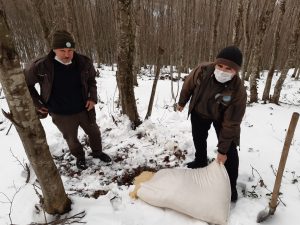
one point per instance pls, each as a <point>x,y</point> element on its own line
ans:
<point>115,122</point>
<point>67,220</point>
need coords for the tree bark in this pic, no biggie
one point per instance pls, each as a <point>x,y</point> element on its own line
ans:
<point>158,66</point>
<point>125,60</point>
<point>246,40</point>
<point>137,40</point>
<point>237,23</point>
<point>28,126</point>
<point>275,49</point>
<point>46,31</point>
<point>264,21</point>
<point>297,74</point>
<point>290,62</point>
<point>215,29</point>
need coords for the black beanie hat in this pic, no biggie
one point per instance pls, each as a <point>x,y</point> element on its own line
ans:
<point>230,56</point>
<point>62,39</point>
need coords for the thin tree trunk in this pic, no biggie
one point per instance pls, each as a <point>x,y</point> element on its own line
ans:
<point>290,62</point>
<point>46,31</point>
<point>275,49</point>
<point>174,97</point>
<point>237,23</point>
<point>137,40</point>
<point>215,29</point>
<point>158,66</point>
<point>296,71</point>
<point>264,22</point>
<point>28,126</point>
<point>297,74</point>
<point>246,40</point>
<point>125,60</point>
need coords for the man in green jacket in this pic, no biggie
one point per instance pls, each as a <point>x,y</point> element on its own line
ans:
<point>217,96</point>
<point>68,92</point>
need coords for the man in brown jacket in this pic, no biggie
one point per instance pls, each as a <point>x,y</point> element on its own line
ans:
<point>217,96</point>
<point>68,92</point>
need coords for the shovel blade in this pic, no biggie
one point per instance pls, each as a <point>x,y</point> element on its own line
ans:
<point>263,215</point>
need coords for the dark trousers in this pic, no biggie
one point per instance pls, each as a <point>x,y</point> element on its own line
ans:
<point>68,126</point>
<point>200,128</point>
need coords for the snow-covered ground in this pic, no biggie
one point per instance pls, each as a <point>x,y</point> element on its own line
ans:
<point>164,140</point>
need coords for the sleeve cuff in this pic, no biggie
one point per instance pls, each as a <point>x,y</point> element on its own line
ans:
<point>223,153</point>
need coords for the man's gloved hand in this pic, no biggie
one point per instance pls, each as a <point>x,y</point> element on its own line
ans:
<point>42,112</point>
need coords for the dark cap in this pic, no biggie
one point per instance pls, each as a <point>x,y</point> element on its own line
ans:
<point>230,56</point>
<point>62,39</point>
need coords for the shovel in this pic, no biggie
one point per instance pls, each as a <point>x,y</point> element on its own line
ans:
<point>270,210</point>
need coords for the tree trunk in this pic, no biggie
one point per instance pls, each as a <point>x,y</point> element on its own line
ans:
<point>237,23</point>
<point>290,62</point>
<point>158,66</point>
<point>137,40</point>
<point>174,96</point>
<point>28,126</point>
<point>246,40</point>
<point>275,49</point>
<point>264,21</point>
<point>46,31</point>
<point>125,60</point>
<point>297,74</point>
<point>215,29</point>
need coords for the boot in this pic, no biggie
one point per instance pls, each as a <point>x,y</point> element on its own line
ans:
<point>102,156</point>
<point>195,164</point>
<point>234,196</point>
<point>80,163</point>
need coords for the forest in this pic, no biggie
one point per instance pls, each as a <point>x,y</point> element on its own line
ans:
<point>137,37</point>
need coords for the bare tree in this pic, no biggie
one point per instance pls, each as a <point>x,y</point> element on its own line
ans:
<point>290,61</point>
<point>27,124</point>
<point>264,21</point>
<point>237,23</point>
<point>215,29</point>
<point>125,60</point>
<point>246,38</point>
<point>188,31</point>
<point>160,51</point>
<point>37,4</point>
<point>137,41</point>
<point>275,49</point>
<point>297,74</point>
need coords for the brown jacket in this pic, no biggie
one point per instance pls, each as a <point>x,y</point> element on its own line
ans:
<point>41,71</point>
<point>223,103</point>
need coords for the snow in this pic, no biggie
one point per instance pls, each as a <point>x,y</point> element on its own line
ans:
<point>164,140</point>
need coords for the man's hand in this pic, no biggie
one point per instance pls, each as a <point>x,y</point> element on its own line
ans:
<point>89,105</point>
<point>179,108</point>
<point>221,158</point>
<point>42,112</point>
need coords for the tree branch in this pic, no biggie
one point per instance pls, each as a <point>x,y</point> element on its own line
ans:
<point>11,201</point>
<point>67,220</point>
<point>24,165</point>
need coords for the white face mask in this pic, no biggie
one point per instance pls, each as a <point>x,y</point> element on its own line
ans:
<point>222,76</point>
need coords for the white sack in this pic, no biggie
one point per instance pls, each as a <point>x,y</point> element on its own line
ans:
<point>202,193</point>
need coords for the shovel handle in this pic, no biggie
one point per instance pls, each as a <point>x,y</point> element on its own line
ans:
<point>284,155</point>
